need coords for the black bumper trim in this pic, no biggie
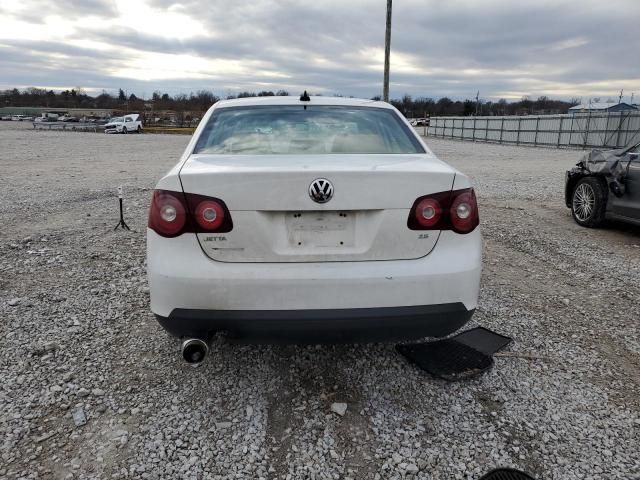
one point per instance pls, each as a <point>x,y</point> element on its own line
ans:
<point>316,326</point>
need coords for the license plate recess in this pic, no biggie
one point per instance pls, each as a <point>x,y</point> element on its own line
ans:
<point>321,229</point>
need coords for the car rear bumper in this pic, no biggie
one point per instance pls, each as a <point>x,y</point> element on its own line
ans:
<point>433,295</point>
<point>314,326</point>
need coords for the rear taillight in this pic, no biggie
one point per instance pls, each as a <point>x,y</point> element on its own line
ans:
<point>456,210</point>
<point>464,212</point>
<point>174,213</point>
<point>209,214</point>
<point>168,213</point>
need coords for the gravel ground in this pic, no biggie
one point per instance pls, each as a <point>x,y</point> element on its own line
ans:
<point>78,343</point>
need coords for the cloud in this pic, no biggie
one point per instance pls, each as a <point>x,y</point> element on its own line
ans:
<point>569,43</point>
<point>559,48</point>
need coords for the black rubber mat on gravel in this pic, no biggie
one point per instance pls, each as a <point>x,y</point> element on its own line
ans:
<point>483,340</point>
<point>507,474</point>
<point>447,359</point>
<point>466,355</point>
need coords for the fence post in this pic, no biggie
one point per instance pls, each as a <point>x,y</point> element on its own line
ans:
<point>486,129</point>
<point>474,128</point>
<point>606,130</point>
<point>462,133</point>
<point>620,129</point>
<point>501,128</point>
<point>560,130</point>
<point>518,135</point>
<point>571,129</point>
<point>629,131</point>
<point>586,135</point>
<point>425,124</point>
<point>535,138</point>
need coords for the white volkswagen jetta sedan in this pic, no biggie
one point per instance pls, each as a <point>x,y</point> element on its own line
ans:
<point>316,219</point>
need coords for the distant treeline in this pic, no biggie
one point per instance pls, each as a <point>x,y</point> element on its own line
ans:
<point>201,100</point>
<point>418,107</point>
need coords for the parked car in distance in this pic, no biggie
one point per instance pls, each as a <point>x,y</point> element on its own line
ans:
<point>605,184</point>
<point>313,219</point>
<point>92,119</point>
<point>47,117</point>
<point>420,122</point>
<point>128,124</point>
<point>68,118</point>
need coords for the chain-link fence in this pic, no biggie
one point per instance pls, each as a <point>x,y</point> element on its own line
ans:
<point>583,130</point>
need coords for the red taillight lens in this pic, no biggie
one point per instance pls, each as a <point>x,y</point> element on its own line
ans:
<point>209,215</point>
<point>174,213</point>
<point>428,212</point>
<point>168,213</point>
<point>464,212</point>
<point>456,210</point>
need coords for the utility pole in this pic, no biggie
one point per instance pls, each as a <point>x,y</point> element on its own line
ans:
<point>387,51</point>
<point>620,97</point>
<point>477,102</point>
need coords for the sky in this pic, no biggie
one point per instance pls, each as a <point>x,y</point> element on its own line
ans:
<point>503,48</point>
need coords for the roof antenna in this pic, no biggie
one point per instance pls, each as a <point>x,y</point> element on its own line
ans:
<point>305,97</point>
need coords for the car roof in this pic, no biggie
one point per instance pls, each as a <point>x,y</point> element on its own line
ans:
<point>295,100</point>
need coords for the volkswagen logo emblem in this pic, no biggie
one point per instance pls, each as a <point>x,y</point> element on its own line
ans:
<point>321,190</point>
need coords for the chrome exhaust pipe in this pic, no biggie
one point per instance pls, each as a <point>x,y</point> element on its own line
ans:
<point>194,351</point>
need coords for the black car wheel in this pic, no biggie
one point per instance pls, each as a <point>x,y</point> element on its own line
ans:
<point>124,130</point>
<point>589,202</point>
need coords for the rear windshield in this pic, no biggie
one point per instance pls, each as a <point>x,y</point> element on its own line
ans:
<point>292,129</point>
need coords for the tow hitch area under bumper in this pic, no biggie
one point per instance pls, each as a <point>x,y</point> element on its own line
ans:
<point>347,325</point>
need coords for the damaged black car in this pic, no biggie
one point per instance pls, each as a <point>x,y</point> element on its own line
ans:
<point>605,184</point>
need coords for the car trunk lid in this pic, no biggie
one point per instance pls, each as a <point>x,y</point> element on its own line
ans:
<point>276,220</point>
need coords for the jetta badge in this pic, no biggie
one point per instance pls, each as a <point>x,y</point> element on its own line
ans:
<point>321,190</point>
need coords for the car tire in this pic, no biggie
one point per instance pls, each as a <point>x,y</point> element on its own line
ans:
<point>124,130</point>
<point>589,202</point>
<point>139,130</point>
